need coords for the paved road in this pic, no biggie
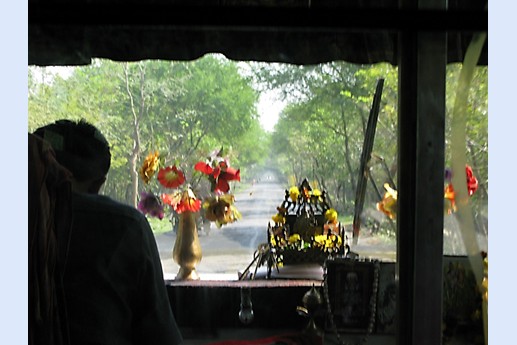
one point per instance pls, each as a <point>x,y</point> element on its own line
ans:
<point>230,249</point>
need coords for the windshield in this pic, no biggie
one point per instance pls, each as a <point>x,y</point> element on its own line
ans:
<point>277,123</point>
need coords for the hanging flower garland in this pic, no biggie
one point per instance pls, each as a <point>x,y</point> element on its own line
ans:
<point>388,204</point>
<point>449,194</point>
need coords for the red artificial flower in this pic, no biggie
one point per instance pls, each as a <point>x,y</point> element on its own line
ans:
<point>472,182</point>
<point>171,177</point>
<point>206,169</point>
<point>229,175</point>
<point>220,175</point>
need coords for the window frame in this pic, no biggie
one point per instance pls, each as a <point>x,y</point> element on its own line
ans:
<point>422,56</point>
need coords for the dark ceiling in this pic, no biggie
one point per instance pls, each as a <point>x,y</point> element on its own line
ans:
<point>301,32</point>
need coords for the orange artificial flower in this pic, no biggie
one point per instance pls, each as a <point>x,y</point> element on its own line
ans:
<point>187,202</point>
<point>388,205</point>
<point>449,195</point>
<point>171,199</point>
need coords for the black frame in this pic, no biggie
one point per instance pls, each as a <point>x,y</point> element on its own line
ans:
<point>350,287</point>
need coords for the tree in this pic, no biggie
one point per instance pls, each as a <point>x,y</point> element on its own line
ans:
<point>326,121</point>
<point>183,109</point>
<point>187,109</point>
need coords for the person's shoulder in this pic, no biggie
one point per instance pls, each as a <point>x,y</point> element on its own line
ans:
<point>102,204</point>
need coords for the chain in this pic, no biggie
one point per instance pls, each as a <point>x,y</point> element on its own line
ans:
<point>373,304</point>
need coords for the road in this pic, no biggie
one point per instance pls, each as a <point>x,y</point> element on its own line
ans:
<point>230,249</point>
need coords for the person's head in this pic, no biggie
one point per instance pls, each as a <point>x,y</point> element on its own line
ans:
<point>81,148</point>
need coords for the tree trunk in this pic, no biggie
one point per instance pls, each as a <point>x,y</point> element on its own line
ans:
<point>133,160</point>
<point>347,149</point>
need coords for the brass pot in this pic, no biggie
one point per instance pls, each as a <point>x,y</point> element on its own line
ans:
<point>187,249</point>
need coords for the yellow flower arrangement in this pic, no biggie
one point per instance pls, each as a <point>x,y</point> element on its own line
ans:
<point>278,218</point>
<point>328,243</point>
<point>324,234</point>
<point>294,192</point>
<point>294,239</point>
<point>316,195</point>
<point>331,215</point>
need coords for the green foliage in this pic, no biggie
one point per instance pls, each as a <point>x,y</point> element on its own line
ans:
<point>183,109</point>
<point>320,133</point>
<point>187,109</point>
<point>476,147</point>
<point>160,226</point>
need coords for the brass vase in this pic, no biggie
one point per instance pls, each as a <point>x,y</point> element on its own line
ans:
<point>187,249</point>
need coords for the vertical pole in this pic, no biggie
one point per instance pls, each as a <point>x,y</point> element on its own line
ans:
<point>421,121</point>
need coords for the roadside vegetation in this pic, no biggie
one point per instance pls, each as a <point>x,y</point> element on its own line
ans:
<point>185,110</point>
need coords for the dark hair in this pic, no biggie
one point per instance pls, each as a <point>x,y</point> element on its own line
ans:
<point>79,146</point>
